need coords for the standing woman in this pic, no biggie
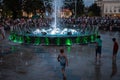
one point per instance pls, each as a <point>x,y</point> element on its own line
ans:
<point>62,58</point>
<point>115,48</point>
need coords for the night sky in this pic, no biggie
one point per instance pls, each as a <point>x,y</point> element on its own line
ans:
<point>88,2</point>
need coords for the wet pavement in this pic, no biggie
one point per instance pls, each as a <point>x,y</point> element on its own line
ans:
<point>30,62</point>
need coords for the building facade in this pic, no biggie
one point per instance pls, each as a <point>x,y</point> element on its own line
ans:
<point>109,7</point>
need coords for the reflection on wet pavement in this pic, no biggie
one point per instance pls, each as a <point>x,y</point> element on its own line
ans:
<point>30,62</point>
<point>114,68</point>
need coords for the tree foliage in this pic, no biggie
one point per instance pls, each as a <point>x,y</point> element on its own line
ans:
<point>12,5</point>
<point>32,5</point>
<point>16,6</point>
<point>77,6</point>
<point>80,7</point>
<point>95,9</point>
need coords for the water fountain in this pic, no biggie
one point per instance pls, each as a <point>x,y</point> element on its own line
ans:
<point>55,34</point>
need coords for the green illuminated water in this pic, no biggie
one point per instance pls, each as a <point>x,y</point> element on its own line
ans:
<point>58,41</point>
<point>37,41</point>
<point>49,40</point>
<point>46,41</point>
<point>68,41</point>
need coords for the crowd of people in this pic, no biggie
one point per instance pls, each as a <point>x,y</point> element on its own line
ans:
<point>28,24</point>
<point>109,22</point>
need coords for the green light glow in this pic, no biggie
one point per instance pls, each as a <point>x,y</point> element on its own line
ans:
<point>68,42</point>
<point>11,36</point>
<point>15,38</point>
<point>37,41</point>
<point>58,41</point>
<point>69,49</point>
<point>28,39</point>
<point>92,38</point>
<point>46,41</point>
<point>20,39</point>
<point>78,40</point>
<point>85,40</point>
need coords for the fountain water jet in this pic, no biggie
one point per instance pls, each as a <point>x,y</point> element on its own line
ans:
<point>55,35</point>
<point>57,5</point>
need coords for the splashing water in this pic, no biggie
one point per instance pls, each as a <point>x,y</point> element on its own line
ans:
<point>57,5</point>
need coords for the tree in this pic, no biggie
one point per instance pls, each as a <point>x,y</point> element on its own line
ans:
<point>80,7</point>
<point>13,6</point>
<point>95,9</point>
<point>33,5</point>
<point>16,6</point>
<point>77,6</point>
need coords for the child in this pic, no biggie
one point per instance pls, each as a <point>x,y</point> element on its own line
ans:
<point>62,58</point>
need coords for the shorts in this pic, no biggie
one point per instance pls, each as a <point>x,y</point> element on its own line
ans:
<point>98,50</point>
<point>63,66</point>
<point>114,52</point>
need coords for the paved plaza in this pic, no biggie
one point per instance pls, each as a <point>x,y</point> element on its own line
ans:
<point>31,62</point>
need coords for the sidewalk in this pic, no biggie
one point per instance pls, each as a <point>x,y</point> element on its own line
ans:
<point>29,62</point>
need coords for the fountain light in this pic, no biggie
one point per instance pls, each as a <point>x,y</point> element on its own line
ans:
<point>37,31</point>
<point>55,31</point>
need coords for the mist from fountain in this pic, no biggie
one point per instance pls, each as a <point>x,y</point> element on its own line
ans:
<point>56,5</point>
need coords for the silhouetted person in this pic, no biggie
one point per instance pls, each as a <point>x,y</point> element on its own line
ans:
<point>62,58</point>
<point>115,48</point>
<point>114,68</point>
<point>98,47</point>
